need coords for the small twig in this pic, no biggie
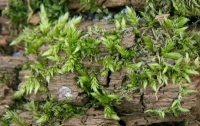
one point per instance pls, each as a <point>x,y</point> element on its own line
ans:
<point>30,9</point>
<point>158,58</point>
<point>156,93</point>
<point>194,24</point>
<point>127,114</point>
<point>81,8</point>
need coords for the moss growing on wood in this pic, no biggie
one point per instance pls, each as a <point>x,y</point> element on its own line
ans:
<point>163,52</point>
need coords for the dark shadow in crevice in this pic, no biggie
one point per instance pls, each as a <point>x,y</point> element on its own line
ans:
<point>108,79</point>
<point>142,101</point>
<point>169,124</point>
<point>17,80</point>
<point>121,122</point>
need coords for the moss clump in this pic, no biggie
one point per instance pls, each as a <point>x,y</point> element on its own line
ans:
<point>189,8</point>
<point>163,52</point>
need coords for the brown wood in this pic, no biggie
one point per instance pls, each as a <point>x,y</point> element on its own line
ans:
<point>91,118</point>
<point>131,111</point>
<point>75,4</point>
<point>3,4</point>
<point>137,4</point>
<point>9,68</point>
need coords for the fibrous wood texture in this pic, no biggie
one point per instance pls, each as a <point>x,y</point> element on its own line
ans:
<point>3,4</point>
<point>137,4</point>
<point>9,68</point>
<point>75,4</point>
<point>131,110</point>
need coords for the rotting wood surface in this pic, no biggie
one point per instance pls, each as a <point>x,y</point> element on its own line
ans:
<point>9,68</point>
<point>75,4</point>
<point>131,111</point>
<point>3,4</point>
<point>137,4</point>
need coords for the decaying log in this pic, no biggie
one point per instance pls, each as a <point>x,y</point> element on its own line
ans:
<point>4,22</point>
<point>28,117</point>
<point>3,4</point>
<point>6,99</point>
<point>6,38</point>
<point>61,87</point>
<point>166,96</point>
<point>137,4</point>
<point>65,88</point>
<point>75,4</point>
<point>91,118</point>
<point>9,68</point>
<point>131,111</point>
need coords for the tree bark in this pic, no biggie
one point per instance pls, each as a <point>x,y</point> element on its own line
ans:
<point>75,4</point>
<point>137,4</point>
<point>131,110</point>
<point>9,68</point>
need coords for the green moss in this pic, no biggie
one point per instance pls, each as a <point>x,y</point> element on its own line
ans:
<point>164,51</point>
<point>189,8</point>
<point>7,78</point>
